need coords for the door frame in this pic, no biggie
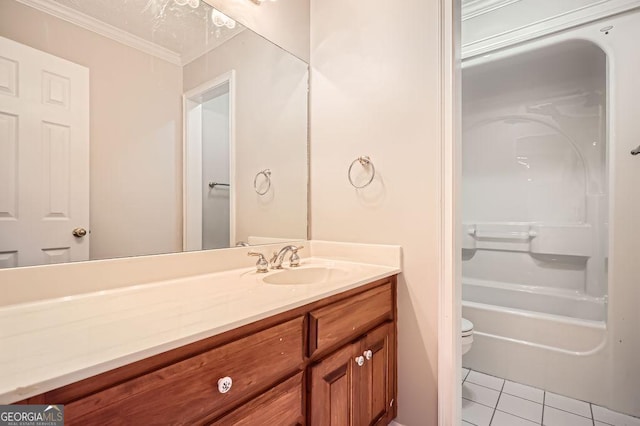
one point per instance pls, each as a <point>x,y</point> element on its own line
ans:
<point>449,287</point>
<point>192,160</point>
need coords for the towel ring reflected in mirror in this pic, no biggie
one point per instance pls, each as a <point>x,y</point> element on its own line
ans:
<point>365,162</point>
<point>267,176</point>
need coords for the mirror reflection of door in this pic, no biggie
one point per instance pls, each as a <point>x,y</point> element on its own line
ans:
<point>209,150</point>
<point>215,170</point>
<point>44,158</point>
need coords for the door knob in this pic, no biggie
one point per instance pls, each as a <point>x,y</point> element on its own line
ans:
<point>360,361</point>
<point>368,354</point>
<point>79,232</point>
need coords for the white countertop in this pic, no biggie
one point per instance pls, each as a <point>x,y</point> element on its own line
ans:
<point>51,343</point>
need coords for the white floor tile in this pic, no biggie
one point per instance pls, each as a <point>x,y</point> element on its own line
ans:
<point>465,372</point>
<point>466,423</point>
<point>485,380</point>
<point>505,419</point>
<point>611,417</point>
<point>480,394</point>
<point>567,404</point>
<point>520,407</point>
<point>524,391</point>
<point>475,413</point>
<point>597,423</point>
<point>554,417</point>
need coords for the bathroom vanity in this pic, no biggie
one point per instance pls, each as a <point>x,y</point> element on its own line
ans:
<point>319,353</point>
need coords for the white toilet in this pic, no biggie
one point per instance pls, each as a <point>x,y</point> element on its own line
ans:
<point>467,335</point>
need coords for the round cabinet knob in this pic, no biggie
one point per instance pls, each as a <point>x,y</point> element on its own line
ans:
<point>360,361</point>
<point>224,384</point>
<point>79,232</point>
<point>368,354</point>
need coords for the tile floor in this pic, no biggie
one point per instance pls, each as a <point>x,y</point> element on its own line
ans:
<point>489,400</point>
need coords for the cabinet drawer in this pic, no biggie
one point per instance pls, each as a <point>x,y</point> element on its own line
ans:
<point>281,405</point>
<point>188,390</point>
<point>349,318</point>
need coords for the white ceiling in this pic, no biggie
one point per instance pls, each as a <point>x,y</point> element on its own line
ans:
<point>183,30</point>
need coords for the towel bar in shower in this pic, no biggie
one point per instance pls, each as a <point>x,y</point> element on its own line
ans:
<point>502,235</point>
<point>214,184</point>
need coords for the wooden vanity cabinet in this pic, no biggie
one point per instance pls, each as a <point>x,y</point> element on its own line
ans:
<point>188,391</point>
<point>356,384</point>
<point>282,405</point>
<point>331,362</point>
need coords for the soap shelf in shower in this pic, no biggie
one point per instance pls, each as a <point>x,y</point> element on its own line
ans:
<point>562,239</point>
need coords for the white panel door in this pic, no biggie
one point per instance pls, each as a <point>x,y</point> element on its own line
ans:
<point>44,157</point>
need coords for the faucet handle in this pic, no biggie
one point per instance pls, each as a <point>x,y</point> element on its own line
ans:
<point>294,261</point>
<point>262,265</point>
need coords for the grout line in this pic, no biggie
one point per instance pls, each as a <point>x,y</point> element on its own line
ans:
<point>474,403</point>
<point>484,386</point>
<point>515,415</point>
<point>479,403</point>
<point>593,420</point>
<point>544,405</point>
<point>487,387</point>
<point>571,412</point>
<point>526,399</point>
<point>497,401</point>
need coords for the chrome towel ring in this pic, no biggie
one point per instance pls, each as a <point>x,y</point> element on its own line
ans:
<point>365,162</point>
<point>267,176</point>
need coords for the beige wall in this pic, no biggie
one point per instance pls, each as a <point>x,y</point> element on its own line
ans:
<point>375,91</point>
<point>271,132</point>
<point>135,128</point>
<point>284,22</point>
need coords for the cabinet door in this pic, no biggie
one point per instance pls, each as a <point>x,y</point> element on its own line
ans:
<point>334,397</point>
<point>378,376</point>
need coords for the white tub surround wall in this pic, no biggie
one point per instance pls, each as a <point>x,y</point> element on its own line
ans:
<point>493,24</point>
<point>534,179</point>
<point>57,341</point>
<point>555,328</point>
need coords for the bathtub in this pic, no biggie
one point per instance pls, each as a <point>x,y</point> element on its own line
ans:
<point>553,292</point>
<point>547,351</point>
<point>529,301</point>
<point>518,327</point>
<point>535,206</point>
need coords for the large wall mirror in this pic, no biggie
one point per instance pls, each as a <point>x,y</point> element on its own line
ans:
<point>138,127</point>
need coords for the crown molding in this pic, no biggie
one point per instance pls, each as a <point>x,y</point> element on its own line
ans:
<point>92,24</point>
<point>473,8</point>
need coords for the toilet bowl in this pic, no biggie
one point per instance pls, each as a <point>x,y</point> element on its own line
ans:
<point>467,335</point>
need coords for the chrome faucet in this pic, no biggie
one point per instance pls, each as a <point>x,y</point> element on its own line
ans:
<point>262,266</point>
<point>278,257</point>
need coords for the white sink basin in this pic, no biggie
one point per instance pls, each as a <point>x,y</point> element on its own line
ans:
<point>305,276</point>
